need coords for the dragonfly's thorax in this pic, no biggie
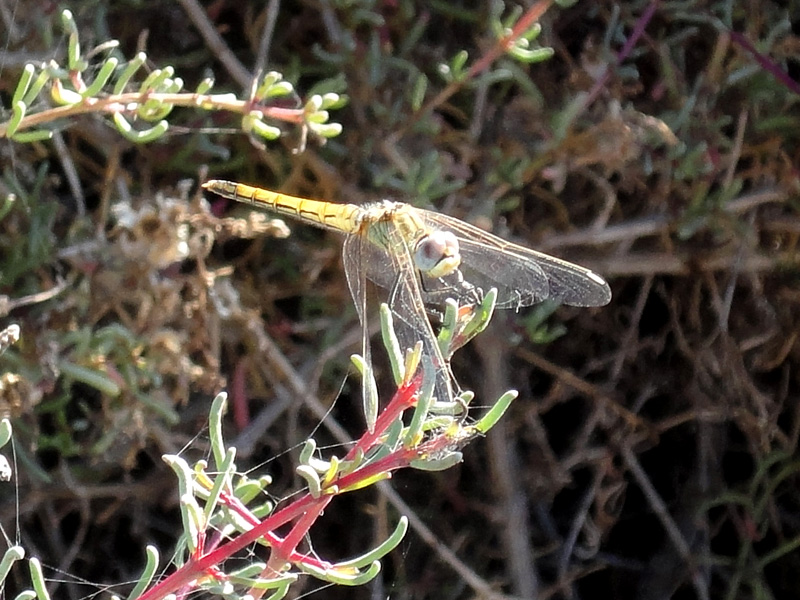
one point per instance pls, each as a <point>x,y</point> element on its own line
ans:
<point>387,224</point>
<point>378,219</point>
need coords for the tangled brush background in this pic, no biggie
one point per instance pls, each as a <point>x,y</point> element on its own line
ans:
<point>653,450</point>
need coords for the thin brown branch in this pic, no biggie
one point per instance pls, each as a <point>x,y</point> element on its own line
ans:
<point>197,15</point>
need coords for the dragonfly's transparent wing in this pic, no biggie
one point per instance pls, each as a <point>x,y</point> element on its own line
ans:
<point>411,322</point>
<point>521,276</point>
<point>394,270</point>
<point>355,272</point>
<point>516,281</point>
<point>519,282</point>
<point>378,266</point>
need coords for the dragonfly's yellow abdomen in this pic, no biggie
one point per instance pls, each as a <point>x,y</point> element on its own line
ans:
<point>339,217</point>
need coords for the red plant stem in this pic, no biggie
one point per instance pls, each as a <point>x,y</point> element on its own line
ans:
<point>284,551</point>
<point>234,504</point>
<point>396,460</point>
<point>502,45</point>
<point>194,568</point>
<point>404,398</point>
<point>128,102</point>
<point>525,22</point>
<point>777,72</point>
<point>630,43</point>
<point>306,509</point>
<point>241,411</point>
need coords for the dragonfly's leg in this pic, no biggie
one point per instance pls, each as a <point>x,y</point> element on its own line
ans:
<point>475,293</point>
<point>436,316</point>
<point>451,286</point>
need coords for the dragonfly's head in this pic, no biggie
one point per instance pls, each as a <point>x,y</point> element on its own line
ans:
<point>437,254</point>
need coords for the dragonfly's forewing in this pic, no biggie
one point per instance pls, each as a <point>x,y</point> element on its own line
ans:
<point>522,276</point>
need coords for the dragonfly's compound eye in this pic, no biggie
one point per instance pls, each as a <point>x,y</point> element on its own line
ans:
<point>437,254</point>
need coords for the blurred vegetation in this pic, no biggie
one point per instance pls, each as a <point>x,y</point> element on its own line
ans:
<point>653,450</point>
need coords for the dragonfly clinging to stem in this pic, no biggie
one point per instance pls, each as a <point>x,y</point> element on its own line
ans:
<point>423,257</point>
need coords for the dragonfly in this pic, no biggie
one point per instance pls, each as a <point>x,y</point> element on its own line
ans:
<point>423,258</point>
